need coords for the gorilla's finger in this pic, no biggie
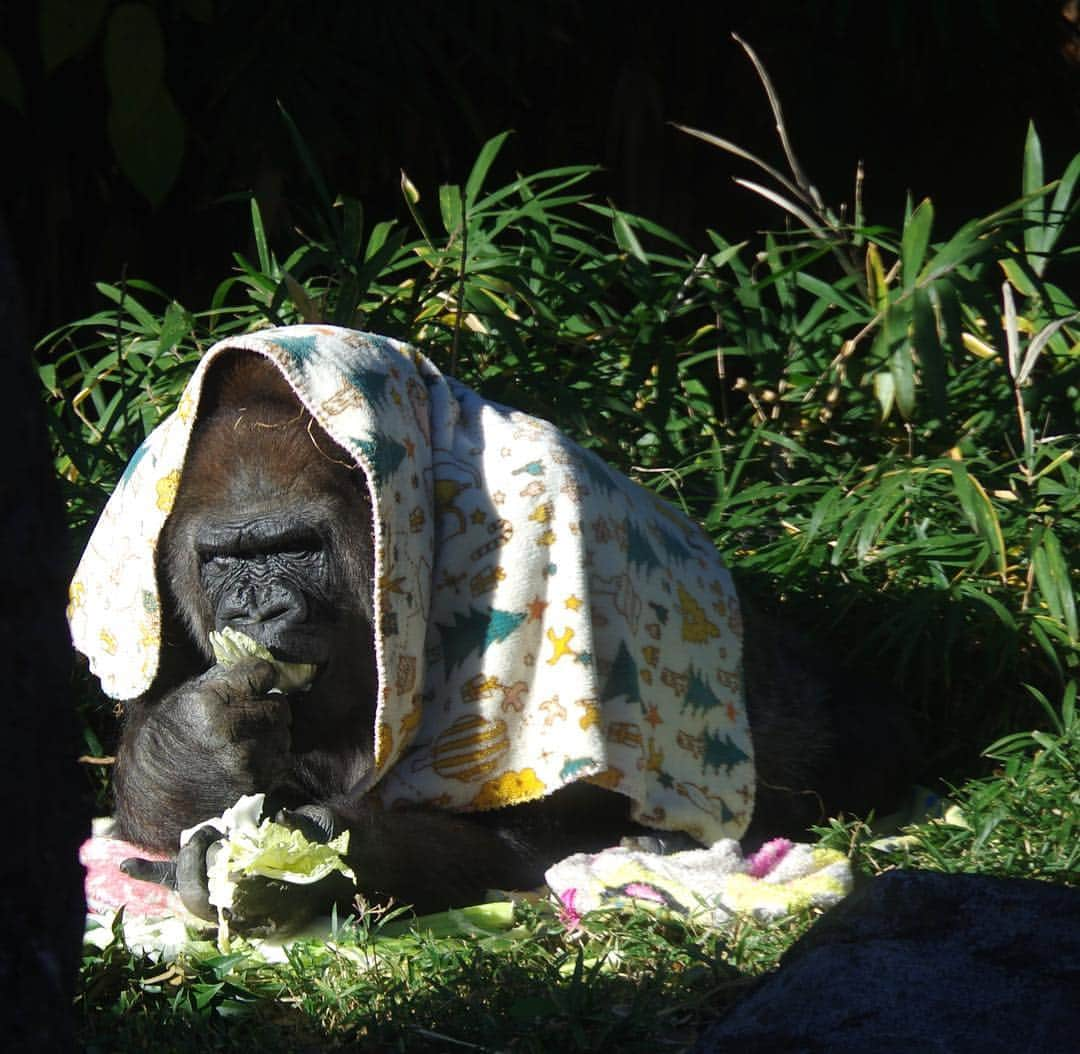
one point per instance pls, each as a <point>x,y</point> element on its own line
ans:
<point>248,679</point>
<point>191,882</point>
<point>314,822</point>
<point>163,872</point>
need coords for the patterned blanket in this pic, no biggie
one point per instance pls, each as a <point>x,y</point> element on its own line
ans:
<point>541,619</point>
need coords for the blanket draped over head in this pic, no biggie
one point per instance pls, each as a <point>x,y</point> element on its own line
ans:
<point>540,618</point>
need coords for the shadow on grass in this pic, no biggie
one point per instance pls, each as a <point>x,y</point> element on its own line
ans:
<point>638,985</point>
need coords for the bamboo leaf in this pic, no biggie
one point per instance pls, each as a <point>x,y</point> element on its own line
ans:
<point>1035,205</point>
<point>1047,706</point>
<point>915,240</point>
<point>1038,342</point>
<point>488,152</point>
<point>67,27</point>
<point>875,279</point>
<point>1054,582</point>
<point>988,524</point>
<point>1059,212</point>
<point>1012,332</point>
<point>122,298</point>
<point>352,227</point>
<point>625,237</point>
<point>307,159</point>
<point>885,391</point>
<point>174,327</point>
<point>738,151</point>
<point>259,232</point>
<point>450,209</point>
<point>979,348</point>
<point>902,370</point>
<point>1018,271</point>
<point>788,206</point>
<point>964,492</point>
<point>930,353</point>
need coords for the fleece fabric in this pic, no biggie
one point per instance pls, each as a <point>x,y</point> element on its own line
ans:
<point>541,618</point>
<point>713,885</point>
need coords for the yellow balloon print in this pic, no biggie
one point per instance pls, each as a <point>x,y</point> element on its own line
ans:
<point>149,634</point>
<point>166,490</point>
<point>610,778</point>
<point>509,788</point>
<point>186,410</point>
<point>471,748</point>
<point>386,745</point>
<point>592,715</point>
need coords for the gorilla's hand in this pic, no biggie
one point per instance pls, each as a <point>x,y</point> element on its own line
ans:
<point>198,749</point>
<point>262,907</point>
<point>230,715</point>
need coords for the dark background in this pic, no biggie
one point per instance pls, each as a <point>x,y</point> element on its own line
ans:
<point>131,134</point>
<point>933,96</point>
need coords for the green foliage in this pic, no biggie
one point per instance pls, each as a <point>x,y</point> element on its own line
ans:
<point>1021,821</point>
<point>388,983</point>
<point>877,425</point>
<point>881,424</point>
<point>522,292</point>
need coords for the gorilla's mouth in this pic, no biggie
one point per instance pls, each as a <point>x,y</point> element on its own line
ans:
<point>230,646</point>
<point>291,644</point>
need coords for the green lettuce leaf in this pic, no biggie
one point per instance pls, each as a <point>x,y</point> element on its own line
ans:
<point>230,646</point>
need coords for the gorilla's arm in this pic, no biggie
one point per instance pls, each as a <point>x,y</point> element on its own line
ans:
<point>188,756</point>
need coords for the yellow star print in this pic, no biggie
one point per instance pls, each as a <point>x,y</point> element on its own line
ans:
<point>560,644</point>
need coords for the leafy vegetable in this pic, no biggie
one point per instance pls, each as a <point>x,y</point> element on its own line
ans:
<point>254,848</point>
<point>230,646</point>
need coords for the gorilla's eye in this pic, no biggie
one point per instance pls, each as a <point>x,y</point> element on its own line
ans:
<point>291,552</point>
<point>298,552</point>
<point>268,542</point>
<point>220,561</point>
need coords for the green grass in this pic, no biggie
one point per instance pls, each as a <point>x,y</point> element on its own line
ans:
<point>1020,821</point>
<point>626,982</point>
<point>877,423</point>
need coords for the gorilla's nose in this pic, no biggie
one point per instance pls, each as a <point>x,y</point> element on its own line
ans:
<point>263,604</point>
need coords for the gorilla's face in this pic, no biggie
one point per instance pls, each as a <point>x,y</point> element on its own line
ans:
<point>271,535</point>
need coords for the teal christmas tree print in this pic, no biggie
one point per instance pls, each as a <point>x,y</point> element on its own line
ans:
<point>370,383</point>
<point>475,631</point>
<point>382,453</point>
<point>639,552</point>
<point>623,678</point>
<point>721,752</point>
<point>699,694</point>
<point>302,349</point>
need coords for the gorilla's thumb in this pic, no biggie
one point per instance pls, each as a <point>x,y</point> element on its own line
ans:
<point>163,872</point>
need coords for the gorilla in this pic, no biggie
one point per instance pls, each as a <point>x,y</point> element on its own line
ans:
<point>271,532</point>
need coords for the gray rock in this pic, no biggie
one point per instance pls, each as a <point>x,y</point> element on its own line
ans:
<point>923,962</point>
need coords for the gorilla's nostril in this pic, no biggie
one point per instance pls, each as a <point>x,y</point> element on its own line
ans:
<point>269,612</point>
<point>262,605</point>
